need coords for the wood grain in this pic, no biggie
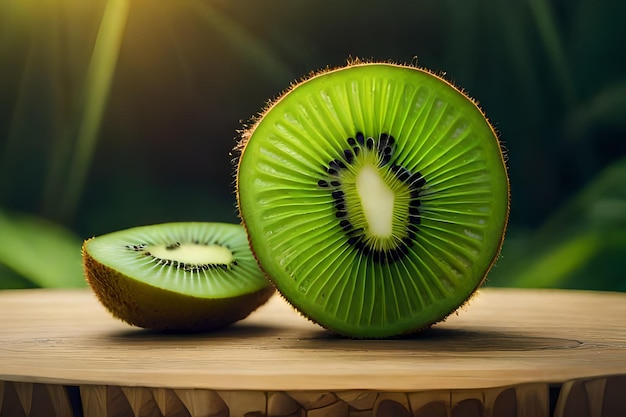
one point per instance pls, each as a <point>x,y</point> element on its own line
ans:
<point>498,356</point>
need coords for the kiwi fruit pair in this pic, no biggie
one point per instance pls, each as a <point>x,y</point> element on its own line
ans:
<point>374,197</point>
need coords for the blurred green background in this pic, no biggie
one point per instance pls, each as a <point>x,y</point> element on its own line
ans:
<point>119,113</point>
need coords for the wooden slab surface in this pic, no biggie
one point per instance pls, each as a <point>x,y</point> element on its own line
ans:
<point>503,337</point>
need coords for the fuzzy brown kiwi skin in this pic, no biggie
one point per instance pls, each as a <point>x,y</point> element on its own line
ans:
<point>247,131</point>
<point>143,305</point>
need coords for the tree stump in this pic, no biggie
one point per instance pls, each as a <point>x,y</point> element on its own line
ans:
<point>510,352</point>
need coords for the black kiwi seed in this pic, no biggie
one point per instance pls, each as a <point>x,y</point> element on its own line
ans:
<point>348,154</point>
<point>337,194</point>
<point>360,138</point>
<point>345,223</point>
<point>340,205</point>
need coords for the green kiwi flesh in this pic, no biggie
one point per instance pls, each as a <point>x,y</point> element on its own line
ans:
<point>375,197</point>
<point>188,276</point>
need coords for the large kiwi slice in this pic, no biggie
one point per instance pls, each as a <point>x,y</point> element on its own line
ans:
<point>176,276</point>
<point>375,196</point>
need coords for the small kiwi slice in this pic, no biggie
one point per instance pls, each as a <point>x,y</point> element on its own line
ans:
<point>375,197</point>
<point>188,276</point>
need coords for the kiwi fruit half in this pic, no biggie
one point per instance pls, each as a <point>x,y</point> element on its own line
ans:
<point>176,276</point>
<point>375,197</point>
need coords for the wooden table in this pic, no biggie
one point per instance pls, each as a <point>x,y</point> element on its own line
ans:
<point>509,353</point>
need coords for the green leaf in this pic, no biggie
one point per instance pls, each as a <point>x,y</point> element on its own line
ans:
<point>41,253</point>
<point>582,245</point>
<point>553,267</point>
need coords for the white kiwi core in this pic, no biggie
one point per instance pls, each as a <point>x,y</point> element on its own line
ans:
<point>193,254</point>
<point>377,201</point>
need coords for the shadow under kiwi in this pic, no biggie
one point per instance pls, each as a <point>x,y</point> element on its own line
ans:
<point>441,339</point>
<point>236,330</point>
